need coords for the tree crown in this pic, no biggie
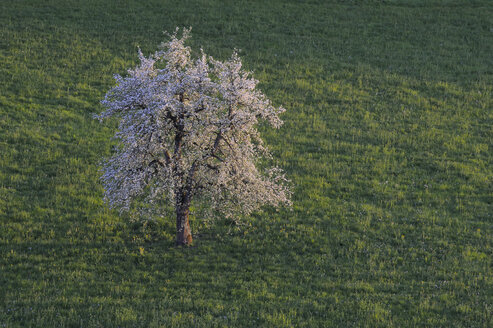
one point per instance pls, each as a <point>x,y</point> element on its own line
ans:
<point>187,132</point>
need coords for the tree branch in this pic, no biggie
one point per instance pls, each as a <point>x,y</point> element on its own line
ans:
<point>167,157</point>
<point>156,161</point>
<point>212,167</point>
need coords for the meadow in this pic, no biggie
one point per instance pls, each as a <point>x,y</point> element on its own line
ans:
<point>388,140</point>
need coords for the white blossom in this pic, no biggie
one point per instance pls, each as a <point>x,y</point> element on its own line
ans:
<point>187,135</point>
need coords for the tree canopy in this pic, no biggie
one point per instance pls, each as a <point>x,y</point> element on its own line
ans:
<point>188,134</point>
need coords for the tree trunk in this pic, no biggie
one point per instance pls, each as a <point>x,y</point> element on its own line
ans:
<point>183,232</point>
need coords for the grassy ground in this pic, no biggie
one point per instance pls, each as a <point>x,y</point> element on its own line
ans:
<point>388,140</point>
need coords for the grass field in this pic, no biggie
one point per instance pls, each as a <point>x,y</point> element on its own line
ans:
<point>388,139</point>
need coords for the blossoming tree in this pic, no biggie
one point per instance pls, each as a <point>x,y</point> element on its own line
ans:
<point>187,135</point>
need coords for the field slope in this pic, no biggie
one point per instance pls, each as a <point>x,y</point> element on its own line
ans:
<point>388,139</point>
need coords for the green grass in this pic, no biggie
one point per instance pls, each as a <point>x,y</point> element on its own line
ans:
<point>388,139</point>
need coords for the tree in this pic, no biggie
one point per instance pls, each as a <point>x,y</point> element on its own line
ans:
<point>187,135</point>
